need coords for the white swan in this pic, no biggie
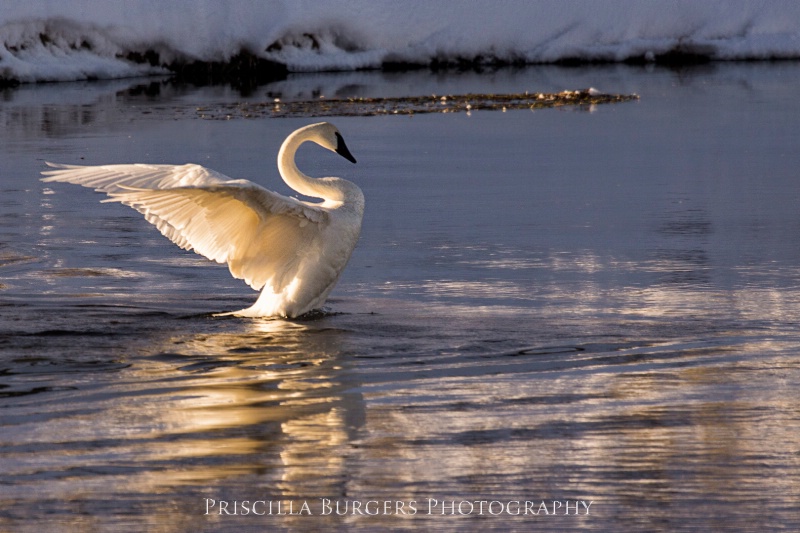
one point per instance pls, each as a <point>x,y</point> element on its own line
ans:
<point>293,250</point>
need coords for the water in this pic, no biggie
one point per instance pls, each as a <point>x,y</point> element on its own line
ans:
<point>595,307</point>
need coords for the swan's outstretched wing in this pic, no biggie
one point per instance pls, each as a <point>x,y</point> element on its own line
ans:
<point>260,234</point>
<point>117,178</point>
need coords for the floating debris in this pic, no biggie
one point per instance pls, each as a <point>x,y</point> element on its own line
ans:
<point>410,105</point>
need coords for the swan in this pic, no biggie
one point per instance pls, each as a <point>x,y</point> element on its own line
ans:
<point>293,251</point>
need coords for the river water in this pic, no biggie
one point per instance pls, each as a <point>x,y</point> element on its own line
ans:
<point>567,319</point>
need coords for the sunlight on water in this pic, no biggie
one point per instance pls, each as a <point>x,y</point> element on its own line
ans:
<point>543,308</point>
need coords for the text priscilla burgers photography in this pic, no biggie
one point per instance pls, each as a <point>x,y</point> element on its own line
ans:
<point>428,506</point>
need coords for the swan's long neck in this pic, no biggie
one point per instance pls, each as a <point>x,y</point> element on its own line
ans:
<point>325,188</point>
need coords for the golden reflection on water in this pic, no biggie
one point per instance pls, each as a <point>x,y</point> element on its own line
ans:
<point>266,405</point>
<point>288,382</point>
<point>277,410</point>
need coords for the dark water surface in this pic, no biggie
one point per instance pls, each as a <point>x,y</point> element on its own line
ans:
<point>586,310</point>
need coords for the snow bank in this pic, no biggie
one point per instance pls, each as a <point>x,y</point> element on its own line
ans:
<point>50,40</point>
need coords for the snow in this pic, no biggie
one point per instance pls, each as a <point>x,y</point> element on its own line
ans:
<point>50,40</point>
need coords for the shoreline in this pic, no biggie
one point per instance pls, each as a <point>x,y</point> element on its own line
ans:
<point>246,70</point>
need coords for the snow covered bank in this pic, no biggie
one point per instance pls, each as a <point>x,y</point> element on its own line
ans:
<point>51,40</point>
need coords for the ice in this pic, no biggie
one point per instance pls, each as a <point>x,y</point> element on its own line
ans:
<point>51,40</point>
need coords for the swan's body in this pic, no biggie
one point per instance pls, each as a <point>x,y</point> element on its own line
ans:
<point>293,251</point>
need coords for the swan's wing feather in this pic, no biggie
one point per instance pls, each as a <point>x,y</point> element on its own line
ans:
<point>260,234</point>
<point>114,178</point>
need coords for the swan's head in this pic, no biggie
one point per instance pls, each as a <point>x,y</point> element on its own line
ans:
<point>326,135</point>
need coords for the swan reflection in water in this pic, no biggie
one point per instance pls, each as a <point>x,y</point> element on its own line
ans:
<point>266,405</point>
<point>280,391</point>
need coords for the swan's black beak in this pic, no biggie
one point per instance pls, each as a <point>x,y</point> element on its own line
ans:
<point>341,149</point>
